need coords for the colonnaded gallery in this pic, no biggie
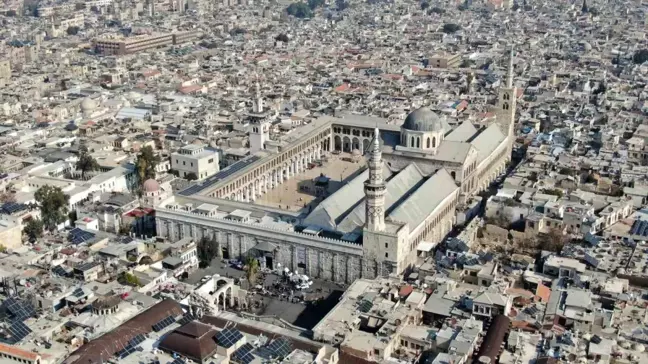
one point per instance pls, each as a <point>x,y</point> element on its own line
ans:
<point>416,175</point>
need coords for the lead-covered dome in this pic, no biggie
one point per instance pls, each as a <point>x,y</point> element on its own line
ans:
<point>423,119</point>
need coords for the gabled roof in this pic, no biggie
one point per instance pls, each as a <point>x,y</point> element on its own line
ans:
<point>333,209</point>
<point>397,188</point>
<point>491,298</point>
<point>462,133</point>
<point>425,199</point>
<point>487,141</point>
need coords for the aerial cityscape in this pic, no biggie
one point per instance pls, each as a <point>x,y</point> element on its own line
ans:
<point>323,182</point>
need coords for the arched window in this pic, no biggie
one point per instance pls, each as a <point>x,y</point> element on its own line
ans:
<point>505,106</point>
<point>433,142</point>
<point>453,174</point>
<point>428,143</point>
<point>506,96</point>
<point>418,142</point>
<point>412,143</point>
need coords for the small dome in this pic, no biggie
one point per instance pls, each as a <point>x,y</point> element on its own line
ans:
<point>151,185</point>
<point>88,104</point>
<point>423,119</point>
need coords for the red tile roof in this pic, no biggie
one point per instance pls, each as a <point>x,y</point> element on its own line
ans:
<point>18,353</point>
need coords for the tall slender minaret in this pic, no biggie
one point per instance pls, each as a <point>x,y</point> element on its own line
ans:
<point>374,189</point>
<point>258,103</point>
<point>507,104</point>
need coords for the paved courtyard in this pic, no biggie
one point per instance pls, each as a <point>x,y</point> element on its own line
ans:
<point>299,192</point>
<point>322,296</point>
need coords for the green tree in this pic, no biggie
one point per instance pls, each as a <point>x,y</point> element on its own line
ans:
<point>191,176</point>
<point>86,163</point>
<point>130,279</point>
<point>314,4</point>
<point>208,249</point>
<point>425,5</point>
<point>554,192</point>
<point>299,10</point>
<point>3,249</point>
<point>640,56</point>
<point>252,268</point>
<point>146,163</point>
<point>554,241</point>
<point>33,230</point>
<point>53,204</point>
<point>72,30</point>
<point>450,28</point>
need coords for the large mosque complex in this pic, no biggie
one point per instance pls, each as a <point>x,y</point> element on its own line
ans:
<point>415,177</point>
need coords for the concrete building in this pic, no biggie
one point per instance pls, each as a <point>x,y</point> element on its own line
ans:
<point>445,60</point>
<point>121,46</point>
<point>195,159</point>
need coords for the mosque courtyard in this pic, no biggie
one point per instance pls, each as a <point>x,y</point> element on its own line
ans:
<point>303,190</point>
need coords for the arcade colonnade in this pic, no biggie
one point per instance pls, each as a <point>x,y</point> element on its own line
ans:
<point>274,171</point>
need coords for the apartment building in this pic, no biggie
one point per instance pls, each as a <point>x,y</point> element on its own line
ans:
<point>445,60</point>
<point>121,46</point>
<point>195,159</point>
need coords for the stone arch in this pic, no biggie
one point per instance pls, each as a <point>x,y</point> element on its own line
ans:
<point>505,106</point>
<point>453,174</point>
<point>346,144</point>
<point>428,143</point>
<point>356,144</point>
<point>365,145</point>
<point>418,142</point>
<point>412,143</point>
<point>433,142</point>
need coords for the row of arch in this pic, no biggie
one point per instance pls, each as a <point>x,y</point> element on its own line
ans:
<point>259,184</point>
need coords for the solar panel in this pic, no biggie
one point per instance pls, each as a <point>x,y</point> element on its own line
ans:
<point>365,306</point>
<point>18,310</point>
<point>11,207</point>
<point>186,319</point>
<point>78,236</point>
<point>59,271</point>
<point>18,331</point>
<point>177,361</point>
<point>192,190</point>
<point>137,340</point>
<point>228,337</point>
<point>78,293</point>
<point>280,347</point>
<point>163,323</point>
<point>243,354</point>
<point>131,347</point>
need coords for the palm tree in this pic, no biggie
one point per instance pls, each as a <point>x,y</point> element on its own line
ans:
<point>252,265</point>
<point>86,163</point>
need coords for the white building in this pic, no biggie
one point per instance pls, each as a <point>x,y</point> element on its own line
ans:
<point>195,159</point>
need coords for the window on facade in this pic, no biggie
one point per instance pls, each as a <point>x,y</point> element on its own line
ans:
<point>428,143</point>
<point>386,245</point>
<point>412,142</point>
<point>184,163</point>
<point>505,106</point>
<point>433,142</point>
<point>453,174</point>
<point>418,142</point>
<point>506,96</point>
<point>377,351</point>
<point>386,255</point>
<point>211,160</point>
